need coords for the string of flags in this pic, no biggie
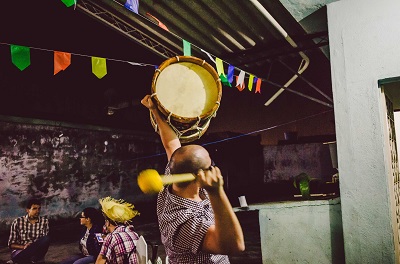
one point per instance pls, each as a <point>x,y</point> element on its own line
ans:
<point>20,56</point>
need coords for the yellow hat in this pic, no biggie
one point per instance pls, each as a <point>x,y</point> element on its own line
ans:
<point>118,211</point>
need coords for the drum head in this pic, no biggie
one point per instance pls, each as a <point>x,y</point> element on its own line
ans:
<point>187,89</point>
<point>188,92</point>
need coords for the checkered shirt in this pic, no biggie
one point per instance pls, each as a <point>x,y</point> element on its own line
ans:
<point>119,244</point>
<point>183,224</point>
<point>23,231</point>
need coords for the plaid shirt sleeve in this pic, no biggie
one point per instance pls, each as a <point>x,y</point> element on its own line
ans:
<point>14,236</point>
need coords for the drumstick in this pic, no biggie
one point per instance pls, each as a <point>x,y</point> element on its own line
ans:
<point>150,181</point>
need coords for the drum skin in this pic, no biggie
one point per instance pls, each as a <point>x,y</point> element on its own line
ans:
<point>188,92</point>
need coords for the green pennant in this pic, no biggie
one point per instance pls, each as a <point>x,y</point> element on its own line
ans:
<point>224,80</point>
<point>20,56</point>
<point>187,49</point>
<point>68,3</point>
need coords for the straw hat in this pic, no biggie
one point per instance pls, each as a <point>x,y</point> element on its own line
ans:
<point>118,211</point>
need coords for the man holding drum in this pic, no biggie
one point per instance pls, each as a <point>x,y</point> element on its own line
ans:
<point>196,220</point>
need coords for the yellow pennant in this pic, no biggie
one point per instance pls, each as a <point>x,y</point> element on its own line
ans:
<point>251,80</point>
<point>99,67</point>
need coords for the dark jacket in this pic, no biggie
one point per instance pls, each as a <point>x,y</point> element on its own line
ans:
<point>93,246</point>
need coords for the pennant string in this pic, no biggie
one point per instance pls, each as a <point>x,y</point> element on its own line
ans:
<point>88,56</point>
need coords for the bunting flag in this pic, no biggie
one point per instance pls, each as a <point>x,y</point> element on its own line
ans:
<point>240,80</point>
<point>187,50</point>
<point>208,54</point>
<point>224,80</point>
<point>220,71</point>
<point>239,86</point>
<point>69,3</point>
<point>251,79</point>
<point>99,67</point>
<point>132,5</point>
<point>258,86</point>
<point>231,70</point>
<point>160,24</point>
<point>61,61</point>
<point>20,56</point>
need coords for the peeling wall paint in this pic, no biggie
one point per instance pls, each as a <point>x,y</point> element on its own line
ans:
<point>70,168</point>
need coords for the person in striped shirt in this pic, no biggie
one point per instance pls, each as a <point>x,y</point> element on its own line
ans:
<point>29,240</point>
<point>196,220</point>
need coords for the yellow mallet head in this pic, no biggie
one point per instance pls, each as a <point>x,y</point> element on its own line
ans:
<point>149,181</point>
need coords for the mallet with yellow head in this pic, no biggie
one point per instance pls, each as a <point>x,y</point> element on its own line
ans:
<point>150,181</point>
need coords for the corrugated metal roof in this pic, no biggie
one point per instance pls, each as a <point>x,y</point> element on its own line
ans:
<point>234,31</point>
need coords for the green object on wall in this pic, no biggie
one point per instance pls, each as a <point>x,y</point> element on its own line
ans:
<point>304,186</point>
<point>302,181</point>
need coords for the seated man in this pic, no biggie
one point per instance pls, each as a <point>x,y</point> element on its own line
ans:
<point>196,220</point>
<point>29,238</point>
<point>119,246</point>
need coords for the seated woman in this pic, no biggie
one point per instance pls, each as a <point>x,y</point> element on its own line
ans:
<point>89,247</point>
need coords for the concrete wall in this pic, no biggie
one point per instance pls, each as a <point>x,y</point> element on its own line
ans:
<point>364,39</point>
<point>72,171</point>
<point>283,162</point>
<point>301,232</point>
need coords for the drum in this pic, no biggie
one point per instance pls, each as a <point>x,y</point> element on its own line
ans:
<point>187,91</point>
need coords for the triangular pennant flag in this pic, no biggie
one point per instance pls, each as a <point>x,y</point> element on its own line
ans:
<point>224,80</point>
<point>160,24</point>
<point>219,66</point>
<point>99,67</point>
<point>251,78</point>
<point>240,80</point>
<point>240,86</point>
<point>208,54</point>
<point>231,70</point>
<point>20,56</point>
<point>187,50</point>
<point>258,86</point>
<point>61,61</point>
<point>68,3</point>
<point>132,5</point>
<point>220,71</point>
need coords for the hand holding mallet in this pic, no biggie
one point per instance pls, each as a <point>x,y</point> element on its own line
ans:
<point>150,181</point>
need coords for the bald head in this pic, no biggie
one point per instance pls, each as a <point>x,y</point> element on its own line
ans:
<point>189,159</point>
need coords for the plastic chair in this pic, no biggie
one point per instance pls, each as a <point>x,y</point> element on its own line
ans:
<point>141,250</point>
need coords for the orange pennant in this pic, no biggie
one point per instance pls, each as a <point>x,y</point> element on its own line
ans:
<point>61,61</point>
<point>258,86</point>
<point>160,24</point>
